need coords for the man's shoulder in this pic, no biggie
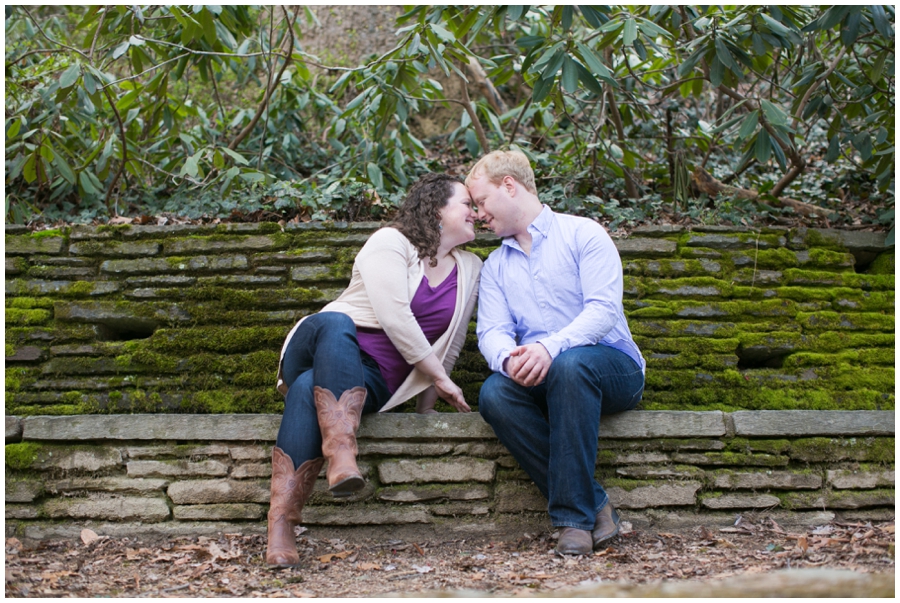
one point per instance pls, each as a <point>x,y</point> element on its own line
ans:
<point>578,222</point>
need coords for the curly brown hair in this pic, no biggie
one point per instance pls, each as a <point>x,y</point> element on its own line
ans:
<point>420,215</point>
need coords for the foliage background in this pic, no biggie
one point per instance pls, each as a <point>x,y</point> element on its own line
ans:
<point>219,111</point>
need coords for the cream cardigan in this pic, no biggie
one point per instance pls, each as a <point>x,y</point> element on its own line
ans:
<point>375,299</point>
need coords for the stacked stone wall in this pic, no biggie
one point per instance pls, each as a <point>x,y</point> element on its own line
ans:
<point>190,318</point>
<point>770,384</point>
<point>447,474</point>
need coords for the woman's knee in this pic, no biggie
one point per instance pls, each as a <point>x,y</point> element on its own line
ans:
<point>335,321</point>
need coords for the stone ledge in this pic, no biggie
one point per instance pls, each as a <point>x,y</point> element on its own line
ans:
<point>767,423</point>
<point>402,426</point>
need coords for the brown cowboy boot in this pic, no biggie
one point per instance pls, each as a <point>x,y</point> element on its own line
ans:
<point>289,492</point>
<point>338,422</point>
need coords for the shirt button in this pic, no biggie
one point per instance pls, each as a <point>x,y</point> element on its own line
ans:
<point>543,305</point>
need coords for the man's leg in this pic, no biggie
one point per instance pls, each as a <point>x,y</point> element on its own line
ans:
<point>519,421</point>
<point>582,384</point>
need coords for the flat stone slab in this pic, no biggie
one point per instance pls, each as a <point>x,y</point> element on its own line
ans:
<point>454,470</point>
<point>469,426</point>
<point>814,423</point>
<point>214,491</point>
<point>645,247</point>
<point>741,501</point>
<point>153,427</point>
<point>123,509</point>
<point>365,516</point>
<point>665,495</point>
<point>450,426</point>
<point>663,424</point>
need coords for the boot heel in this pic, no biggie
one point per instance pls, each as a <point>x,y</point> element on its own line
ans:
<point>347,487</point>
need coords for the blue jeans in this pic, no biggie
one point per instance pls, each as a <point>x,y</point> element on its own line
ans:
<point>324,352</point>
<point>552,429</point>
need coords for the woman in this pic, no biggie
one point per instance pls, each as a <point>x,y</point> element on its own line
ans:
<point>395,332</point>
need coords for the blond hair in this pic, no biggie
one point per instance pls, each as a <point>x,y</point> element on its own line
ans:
<point>499,164</point>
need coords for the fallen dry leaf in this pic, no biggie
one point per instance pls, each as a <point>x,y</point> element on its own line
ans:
<point>327,558</point>
<point>88,536</point>
<point>803,544</point>
<point>369,566</point>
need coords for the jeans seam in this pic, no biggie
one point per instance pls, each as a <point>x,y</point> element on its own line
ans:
<point>570,525</point>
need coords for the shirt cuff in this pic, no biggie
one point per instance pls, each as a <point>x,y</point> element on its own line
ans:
<point>553,345</point>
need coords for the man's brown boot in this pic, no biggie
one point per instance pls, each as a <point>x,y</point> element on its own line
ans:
<point>573,541</point>
<point>338,422</point>
<point>289,492</point>
<point>606,525</point>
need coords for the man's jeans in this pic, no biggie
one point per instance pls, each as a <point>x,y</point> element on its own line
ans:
<point>552,429</point>
<point>324,352</point>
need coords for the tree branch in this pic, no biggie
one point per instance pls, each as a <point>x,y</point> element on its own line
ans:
<point>124,148</point>
<point>473,116</point>
<point>816,84</point>
<point>269,90</point>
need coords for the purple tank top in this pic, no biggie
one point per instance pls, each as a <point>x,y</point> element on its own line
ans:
<point>433,308</point>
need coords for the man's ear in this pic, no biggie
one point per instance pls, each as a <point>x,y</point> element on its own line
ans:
<point>509,185</point>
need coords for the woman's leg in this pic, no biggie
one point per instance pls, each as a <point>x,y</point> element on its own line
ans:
<point>323,352</point>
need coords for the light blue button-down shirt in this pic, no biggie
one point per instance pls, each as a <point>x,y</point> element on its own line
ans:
<point>566,293</point>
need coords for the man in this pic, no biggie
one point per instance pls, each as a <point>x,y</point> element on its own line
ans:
<point>552,328</point>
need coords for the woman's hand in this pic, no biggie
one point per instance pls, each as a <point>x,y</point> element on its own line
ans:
<point>451,393</point>
<point>443,385</point>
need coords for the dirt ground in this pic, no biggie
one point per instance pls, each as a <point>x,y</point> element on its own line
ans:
<point>233,565</point>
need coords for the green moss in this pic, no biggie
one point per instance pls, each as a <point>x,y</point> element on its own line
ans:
<point>113,228</point>
<point>21,456</point>
<point>342,265</point>
<point>743,445</point>
<point>146,360</point>
<point>236,299</point>
<point>876,450</point>
<point>817,239</point>
<point>227,401</point>
<point>29,303</point>
<point>606,457</point>
<point>17,377</point>
<point>831,259</point>
<point>226,340</point>
<point>52,232</point>
<point>874,282</point>
<point>775,259</point>
<point>883,264</point>
<point>686,345</point>
<point>805,294</point>
<point>20,317</point>
<point>836,321</point>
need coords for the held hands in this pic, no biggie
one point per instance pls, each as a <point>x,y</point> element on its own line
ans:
<point>528,364</point>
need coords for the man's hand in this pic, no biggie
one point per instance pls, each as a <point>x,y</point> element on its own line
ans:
<point>527,365</point>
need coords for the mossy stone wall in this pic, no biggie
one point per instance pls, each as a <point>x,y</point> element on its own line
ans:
<point>190,318</point>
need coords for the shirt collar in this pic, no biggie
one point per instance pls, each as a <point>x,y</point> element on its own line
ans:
<point>541,225</point>
<point>543,221</point>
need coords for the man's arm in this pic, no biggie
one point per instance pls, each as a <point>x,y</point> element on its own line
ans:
<point>495,327</point>
<point>600,275</point>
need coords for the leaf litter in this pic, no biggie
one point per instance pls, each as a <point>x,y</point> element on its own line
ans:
<point>232,565</point>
